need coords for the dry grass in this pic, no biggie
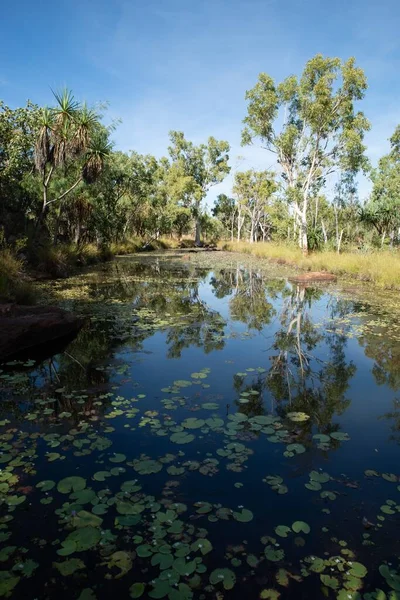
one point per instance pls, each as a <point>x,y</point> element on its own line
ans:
<point>380,267</point>
<point>14,286</point>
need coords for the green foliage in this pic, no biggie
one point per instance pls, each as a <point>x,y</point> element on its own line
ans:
<point>321,131</point>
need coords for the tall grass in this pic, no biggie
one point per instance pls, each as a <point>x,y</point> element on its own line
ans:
<point>14,285</point>
<point>382,267</point>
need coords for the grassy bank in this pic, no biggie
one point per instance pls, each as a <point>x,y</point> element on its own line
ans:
<point>61,261</point>
<point>14,283</point>
<point>380,267</point>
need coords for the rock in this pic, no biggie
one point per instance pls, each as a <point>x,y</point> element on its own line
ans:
<point>313,276</point>
<point>26,328</point>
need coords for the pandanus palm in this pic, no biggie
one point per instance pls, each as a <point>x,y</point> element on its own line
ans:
<point>69,134</point>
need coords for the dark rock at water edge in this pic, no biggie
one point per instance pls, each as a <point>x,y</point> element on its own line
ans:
<point>26,328</point>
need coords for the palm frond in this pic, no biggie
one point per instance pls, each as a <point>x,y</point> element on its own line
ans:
<point>67,107</point>
<point>86,122</point>
<point>96,155</point>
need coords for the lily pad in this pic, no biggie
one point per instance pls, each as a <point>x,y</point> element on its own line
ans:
<point>224,576</point>
<point>301,526</point>
<point>71,484</point>
<point>182,437</point>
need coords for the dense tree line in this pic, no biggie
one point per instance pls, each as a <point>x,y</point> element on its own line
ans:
<point>61,179</point>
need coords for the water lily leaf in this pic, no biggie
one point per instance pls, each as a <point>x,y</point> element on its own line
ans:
<point>14,500</point>
<point>184,567</point>
<point>182,437</point>
<point>340,436</point>
<point>84,496</point>
<point>214,423</point>
<point>6,552</point>
<point>101,475</point>
<point>202,544</point>
<point>46,485</point>
<point>68,567</point>
<point>147,467</point>
<point>358,570</point>
<point>68,547</point>
<point>71,484</point>
<point>210,406</point>
<point>117,458</point>
<point>163,560</point>
<point>8,581</point>
<point>193,423</point>
<point>390,477</point>
<point>301,526</point>
<point>269,594</point>
<point>85,519</point>
<point>282,530</point>
<point>319,477</point>
<point>85,538</point>
<point>322,438</point>
<point>224,576</point>
<point>244,516</point>
<point>129,508</point>
<point>182,592</point>
<point>136,590</point>
<point>274,554</point>
<point>329,581</point>
<point>122,561</point>
<point>314,486</point>
<point>293,449</point>
<point>161,589</point>
<point>387,510</point>
<point>87,594</point>
<point>252,560</point>
<point>144,551</point>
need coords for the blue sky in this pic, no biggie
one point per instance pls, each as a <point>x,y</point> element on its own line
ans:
<point>180,64</point>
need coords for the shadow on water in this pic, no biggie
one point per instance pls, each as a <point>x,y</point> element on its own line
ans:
<point>212,432</point>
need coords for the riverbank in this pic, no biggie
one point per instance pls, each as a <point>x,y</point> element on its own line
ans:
<point>63,260</point>
<point>381,267</point>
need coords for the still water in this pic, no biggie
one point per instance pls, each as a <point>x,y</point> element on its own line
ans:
<point>213,432</point>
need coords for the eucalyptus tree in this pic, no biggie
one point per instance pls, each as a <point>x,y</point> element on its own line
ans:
<point>383,207</point>
<point>254,191</point>
<point>205,165</point>
<point>225,209</point>
<point>70,140</point>
<point>312,126</point>
<point>17,190</point>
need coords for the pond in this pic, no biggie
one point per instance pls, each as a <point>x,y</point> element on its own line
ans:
<point>214,431</point>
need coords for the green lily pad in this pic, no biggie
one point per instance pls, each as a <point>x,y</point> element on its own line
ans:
<point>85,538</point>
<point>46,485</point>
<point>117,458</point>
<point>68,567</point>
<point>136,590</point>
<point>340,436</point>
<point>301,526</point>
<point>329,581</point>
<point>202,544</point>
<point>71,484</point>
<point>282,530</point>
<point>224,576</point>
<point>274,554</point>
<point>244,516</point>
<point>269,594</point>
<point>182,437</point>
<point>193,423</point>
